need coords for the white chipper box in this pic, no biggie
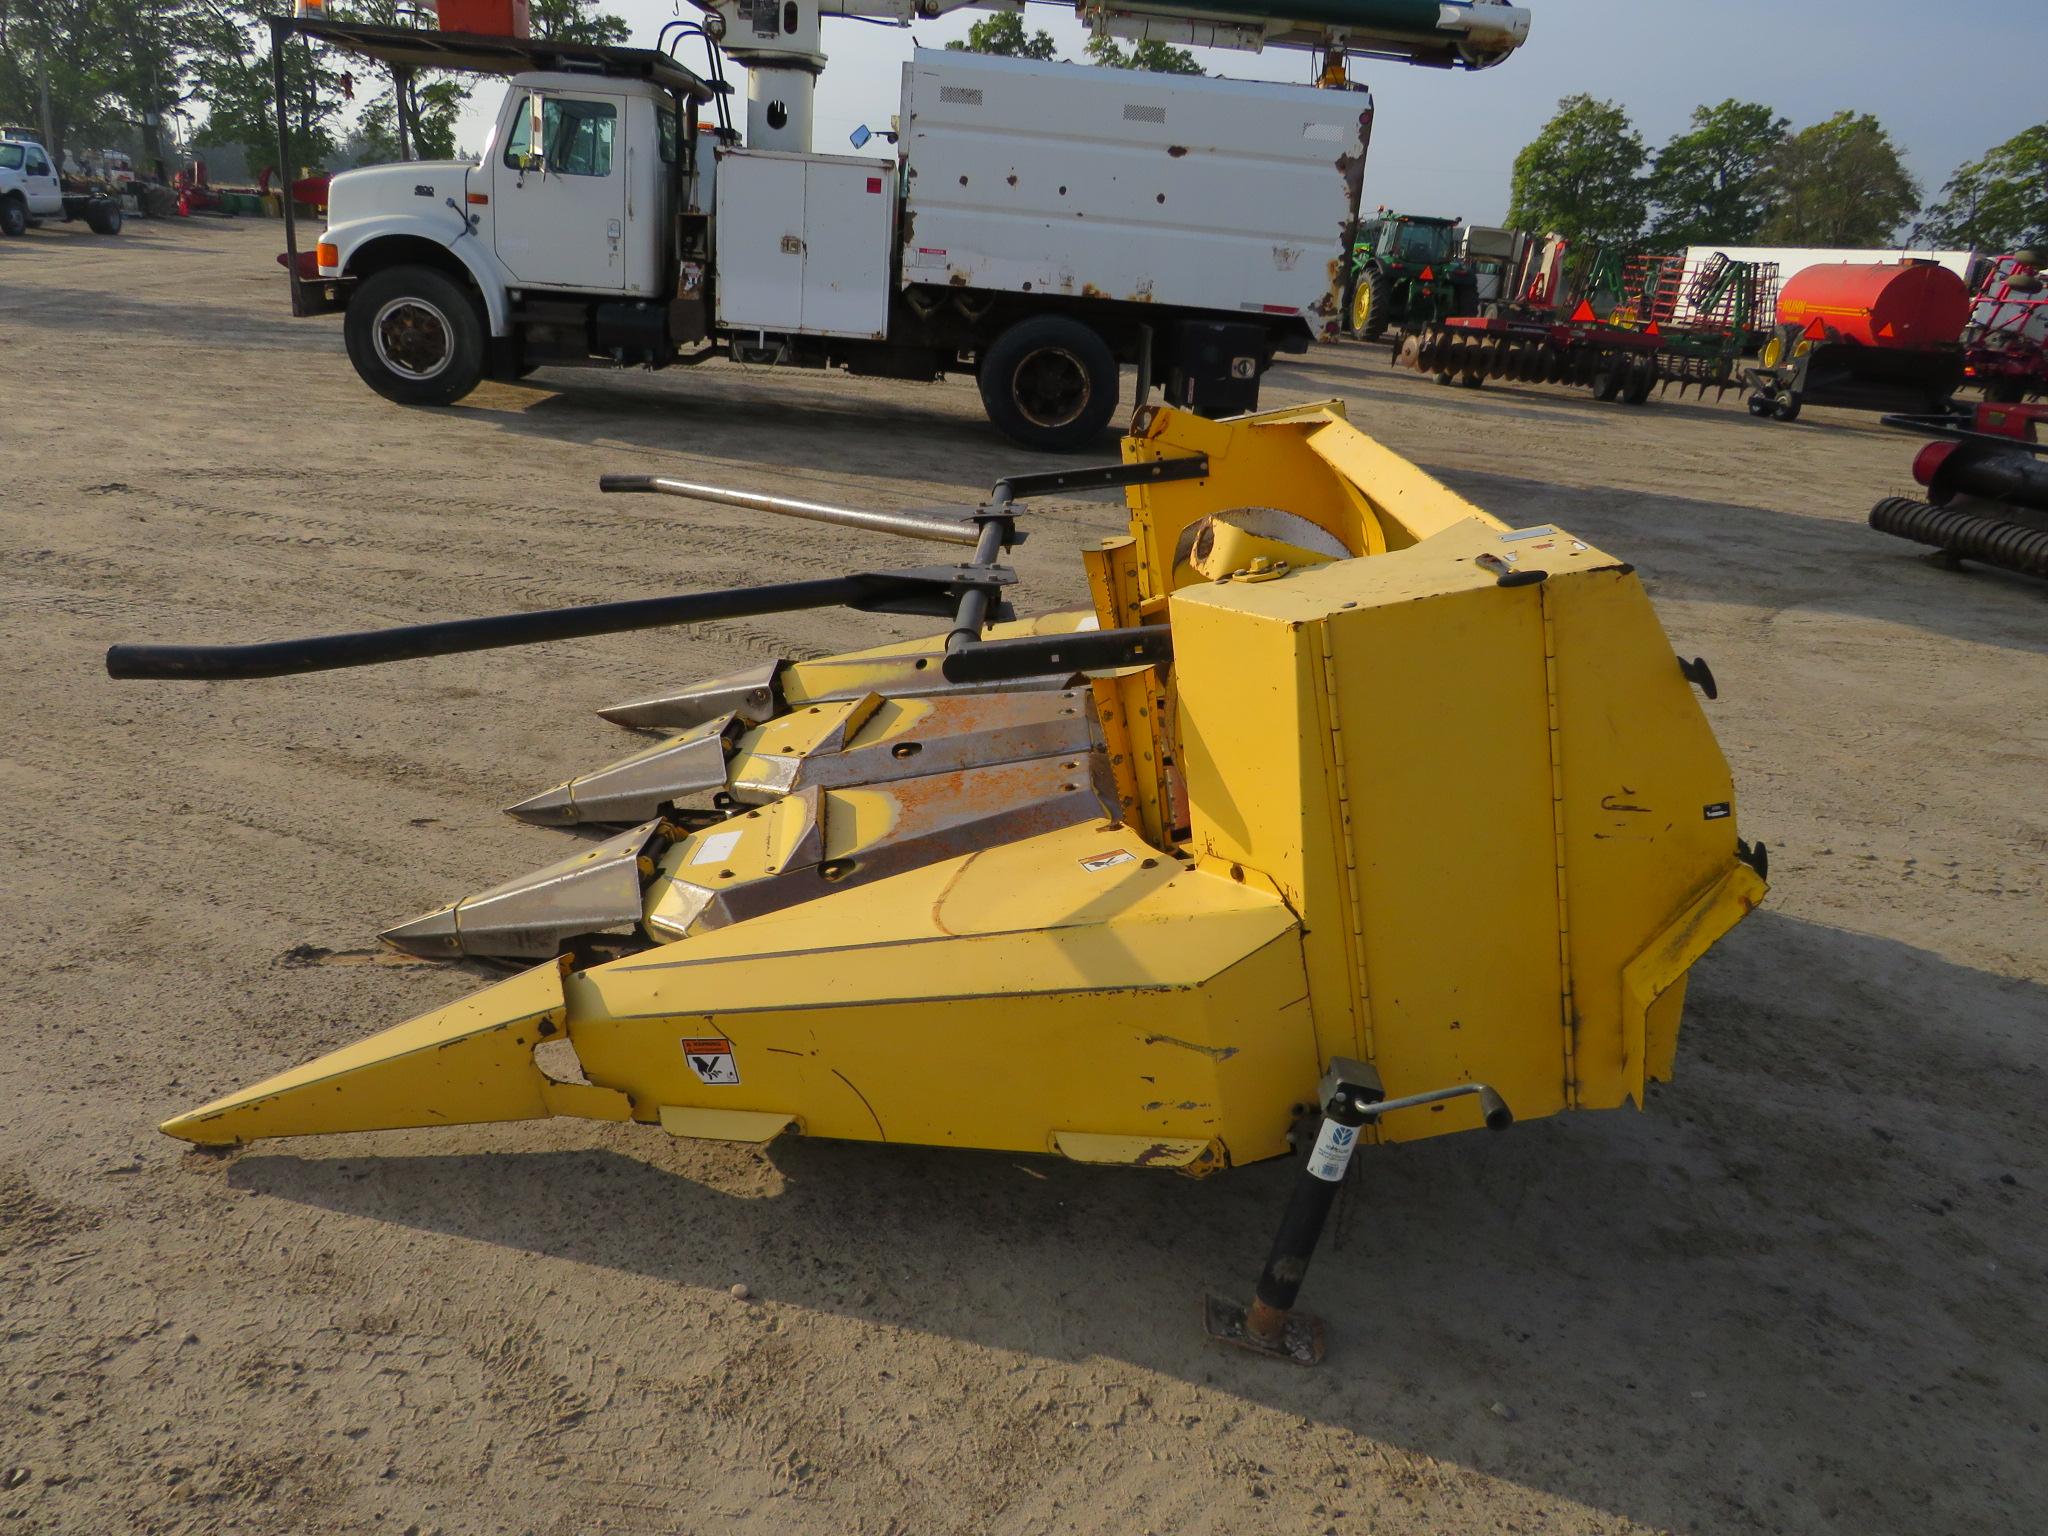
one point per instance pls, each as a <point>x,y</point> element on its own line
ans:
<point>1220,195</point>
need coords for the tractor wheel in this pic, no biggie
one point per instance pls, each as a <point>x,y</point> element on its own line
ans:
<point>1786,408</point>
<point>1642,374</point>
<point>1369,305</point>
<point>1608,377</point>
<point>1759,405</point>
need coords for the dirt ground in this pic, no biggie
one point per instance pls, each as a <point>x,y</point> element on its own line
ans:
<point>1802,1293</point>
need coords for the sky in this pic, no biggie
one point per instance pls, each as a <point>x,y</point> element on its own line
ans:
<point>1948,78</point>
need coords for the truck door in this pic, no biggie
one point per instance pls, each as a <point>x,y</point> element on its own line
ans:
<point>561,203</point>
<point>45,196</point>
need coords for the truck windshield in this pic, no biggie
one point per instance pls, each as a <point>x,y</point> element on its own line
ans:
<point>10,157</point>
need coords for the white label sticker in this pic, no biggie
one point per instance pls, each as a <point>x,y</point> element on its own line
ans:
<point>712,1061</point>
<point>1101,861</point>
<point>716,848</point>
<point>1333,1151</point>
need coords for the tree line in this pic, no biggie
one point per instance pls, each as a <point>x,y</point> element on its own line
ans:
<point>1739,175</point>
<point>87,75</point>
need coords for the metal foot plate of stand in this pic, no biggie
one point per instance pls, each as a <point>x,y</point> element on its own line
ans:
<point>1299,1336</point>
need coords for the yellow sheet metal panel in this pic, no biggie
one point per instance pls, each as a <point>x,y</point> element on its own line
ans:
<point>1375,735</point>
<point>750,1125</point>
<point>1252,733</point>
<point>1649,806</point>
<point>1405,501</point>
<point>469,1062</point>
<point>1448,766</point>
<point>1249,467</point>
<point>1057,984</point>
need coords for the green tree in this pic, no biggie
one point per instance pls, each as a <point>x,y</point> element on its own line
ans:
<point>1711,184</point>
<point>229,72</point>
<point>1581,176</point>
<point>1004,34</point>
<point>1149,53</point>
<point>575,21</point>
<point>425,104</point>
<point>1839,183</point>
<point>55,67</point>
<point>1998,203</point>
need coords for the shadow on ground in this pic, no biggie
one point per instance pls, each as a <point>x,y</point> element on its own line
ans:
<point>1826,1233</point>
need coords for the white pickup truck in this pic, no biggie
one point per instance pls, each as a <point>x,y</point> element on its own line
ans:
<point>31,192</point>
<point>1040,225</point>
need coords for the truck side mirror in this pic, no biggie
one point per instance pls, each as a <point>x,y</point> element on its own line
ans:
<point>537,154</point>
<point>860,136</point>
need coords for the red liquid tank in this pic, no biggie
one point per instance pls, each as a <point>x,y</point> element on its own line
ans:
<point>1877,304</point>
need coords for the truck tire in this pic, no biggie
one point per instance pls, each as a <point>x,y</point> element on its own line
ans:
<point>1369,301</point>
<point>103,218</point>
<point>1049,382</point>
<point>416,336</point>
<point>13,216</point>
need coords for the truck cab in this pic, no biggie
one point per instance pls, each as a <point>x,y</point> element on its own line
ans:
<point>29,189</point>
<point>32,191</point>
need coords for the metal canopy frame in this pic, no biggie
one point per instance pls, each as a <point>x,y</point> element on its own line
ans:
<point>407,49</point>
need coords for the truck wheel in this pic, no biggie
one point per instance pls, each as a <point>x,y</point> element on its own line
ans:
<point>13,216</point>
<point>1369,318</point>
<point>415,336</point>
<point>103,218</point>
<point>1049,382</point>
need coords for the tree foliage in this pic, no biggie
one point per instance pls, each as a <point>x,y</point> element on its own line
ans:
<point>575,21</point>
<point>1582,175</point>
<point>1003,34</point>
<point>1839,183</point>
<point>1997,203</point>
<point>1148,53</point>
<point>90,74</point>
<point>1711,185</point>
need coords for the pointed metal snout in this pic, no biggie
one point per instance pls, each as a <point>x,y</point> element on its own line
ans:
<point>595,891</point>
<point>639,786</point>
<point>750,695</point>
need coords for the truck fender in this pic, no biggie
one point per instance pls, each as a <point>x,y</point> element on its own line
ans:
<point>355,238</point>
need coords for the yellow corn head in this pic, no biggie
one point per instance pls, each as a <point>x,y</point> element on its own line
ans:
<point>1344,796</point>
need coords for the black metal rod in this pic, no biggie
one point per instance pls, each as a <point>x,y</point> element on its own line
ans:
<point>1082,650</point>
<point>972,615</point>
<point>1104,477</point>
<point>324,653</point>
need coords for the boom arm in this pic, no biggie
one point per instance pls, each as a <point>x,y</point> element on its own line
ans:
<point>1470,34</point>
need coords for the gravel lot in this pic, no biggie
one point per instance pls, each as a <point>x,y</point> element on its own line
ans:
<point>1802,1293</point>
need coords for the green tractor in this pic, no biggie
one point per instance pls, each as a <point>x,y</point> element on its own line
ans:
<point>1406,273</point>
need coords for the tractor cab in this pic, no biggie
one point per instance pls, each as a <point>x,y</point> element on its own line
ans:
<point>1406,272</point>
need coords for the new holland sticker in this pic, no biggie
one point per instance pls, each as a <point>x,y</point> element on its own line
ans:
<point>712,1061</point>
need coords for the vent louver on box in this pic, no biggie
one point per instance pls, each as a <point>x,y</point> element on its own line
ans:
<point>1134,112</point>
<point>961,95</point>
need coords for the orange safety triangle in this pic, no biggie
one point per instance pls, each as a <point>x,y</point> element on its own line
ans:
<point>1584,313</point>
<point>1885,329</point>
<point>1816,328</point>
<point>1429,274</point>
<point>1652,329</point>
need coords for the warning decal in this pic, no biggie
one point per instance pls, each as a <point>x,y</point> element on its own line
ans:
<point>712,1061</point>
<point>1097,863</point>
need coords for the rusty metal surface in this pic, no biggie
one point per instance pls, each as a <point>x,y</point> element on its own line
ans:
<point>1296,1338</point>
<point>943,735</point>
